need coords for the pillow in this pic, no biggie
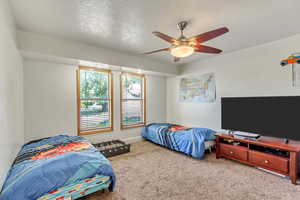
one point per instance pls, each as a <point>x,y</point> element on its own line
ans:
<point>177,128</point>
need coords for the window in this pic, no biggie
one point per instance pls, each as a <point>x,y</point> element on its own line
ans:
<point>133,109</point>
<point>94,99</point>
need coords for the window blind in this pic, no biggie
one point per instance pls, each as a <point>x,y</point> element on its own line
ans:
<point>95,101</point>
<point>132,100</point>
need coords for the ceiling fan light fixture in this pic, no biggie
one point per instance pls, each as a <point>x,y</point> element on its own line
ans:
<point>182,51</point>
<point>184,47</point>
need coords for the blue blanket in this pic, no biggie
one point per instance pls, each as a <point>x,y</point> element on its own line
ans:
<point>46,165</point>
<point>189,141</point>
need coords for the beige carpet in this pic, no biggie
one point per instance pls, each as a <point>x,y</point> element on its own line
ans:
<point>151,172</point>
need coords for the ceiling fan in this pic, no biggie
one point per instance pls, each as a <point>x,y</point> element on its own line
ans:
<point>184,47</point>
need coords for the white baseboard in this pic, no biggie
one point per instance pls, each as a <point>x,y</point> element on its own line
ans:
<point>133,139</point>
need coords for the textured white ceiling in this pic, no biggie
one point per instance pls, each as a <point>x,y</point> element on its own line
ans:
<point>127,25</point>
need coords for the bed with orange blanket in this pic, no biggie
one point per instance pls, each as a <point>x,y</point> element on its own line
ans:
<point>191,141</point>
<point>57,168</point>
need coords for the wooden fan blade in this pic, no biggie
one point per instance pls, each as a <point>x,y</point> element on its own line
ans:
<point>164,37</point>
<point>209,35</point>
<point>176,59</point>
<point>206,49</point>
<point>165,49</point>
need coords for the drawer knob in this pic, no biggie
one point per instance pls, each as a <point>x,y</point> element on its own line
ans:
<point>231,152</point>
<point>266,161</point>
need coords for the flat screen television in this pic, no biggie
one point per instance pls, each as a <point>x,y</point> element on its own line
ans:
<point>269,116</point>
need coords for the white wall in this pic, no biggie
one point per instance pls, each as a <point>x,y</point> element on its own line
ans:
<point>50,102</point>
<point>249,72</point>
<point>53,46</point>
<point>11,109</point>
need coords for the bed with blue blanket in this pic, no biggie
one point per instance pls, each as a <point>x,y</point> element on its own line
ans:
<point>58,167</point>
<point>190,141</point>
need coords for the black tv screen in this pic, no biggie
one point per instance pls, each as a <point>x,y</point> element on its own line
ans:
<point>269,116</point>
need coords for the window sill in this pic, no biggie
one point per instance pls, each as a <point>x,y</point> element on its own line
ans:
<point>132,126</point>
<point>95,131</point>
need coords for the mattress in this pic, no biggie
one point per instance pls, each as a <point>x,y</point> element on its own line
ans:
<point>190,141</point>
<point>80,189</point>
<point>56,163</point>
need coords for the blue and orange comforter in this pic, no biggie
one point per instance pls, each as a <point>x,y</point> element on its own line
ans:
<point>48,164</point>
<point>189,140</point>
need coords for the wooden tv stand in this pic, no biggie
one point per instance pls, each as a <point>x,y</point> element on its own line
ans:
<point>266,152</point>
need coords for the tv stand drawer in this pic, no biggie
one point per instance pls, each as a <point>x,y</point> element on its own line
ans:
<point>266,152</point>
<point>269,161</point>
<point>236,152</point>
